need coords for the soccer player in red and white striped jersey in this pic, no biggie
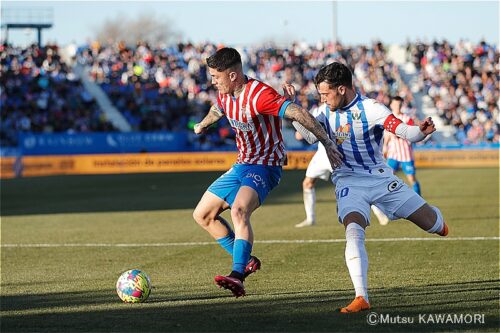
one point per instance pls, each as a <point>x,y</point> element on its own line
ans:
<point>399,152</point>
<point>254,111</point>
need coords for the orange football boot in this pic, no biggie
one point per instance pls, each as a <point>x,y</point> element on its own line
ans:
<point>359,304</point>
<point>444,232</point>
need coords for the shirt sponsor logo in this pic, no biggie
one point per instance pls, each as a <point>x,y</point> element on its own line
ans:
<point>245,127</point>
<point>343,133</point>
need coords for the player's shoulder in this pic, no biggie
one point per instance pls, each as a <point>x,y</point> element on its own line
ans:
<point>319,110</point>
<point>367,101</point>
<point>259,85</point>
<point>373,106</point>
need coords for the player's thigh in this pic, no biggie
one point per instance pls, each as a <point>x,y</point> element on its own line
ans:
<point>209,207</point>
<point>424,216</point>
<point>245,203</point>
<point>396,199</point>
<point>226,186</point>
<point>262,179</point>
<point>352,199</point>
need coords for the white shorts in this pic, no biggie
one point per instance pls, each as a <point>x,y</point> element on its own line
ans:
<point>389,193</point>
<point>319,166</point>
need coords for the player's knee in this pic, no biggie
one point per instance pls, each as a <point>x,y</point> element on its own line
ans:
<point>354,217</point>
<point>307,184</point>
<point>202,217</point>
<point>240,214</point>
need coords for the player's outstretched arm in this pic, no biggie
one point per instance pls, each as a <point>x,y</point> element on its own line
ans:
<point>212,117</point>
<point>304,118</point>
<point>408,132</point>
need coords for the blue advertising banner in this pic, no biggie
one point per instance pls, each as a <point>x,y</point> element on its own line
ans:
<point>102,143</point>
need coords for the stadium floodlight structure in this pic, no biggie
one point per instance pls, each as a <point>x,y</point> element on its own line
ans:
<point>27,18</point>
<point>334,21</point>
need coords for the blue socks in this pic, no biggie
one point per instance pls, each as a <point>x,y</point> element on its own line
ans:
<point>416,187</point>
<point>227,242</point>
<point>241,255</point>
<point>239,249</point>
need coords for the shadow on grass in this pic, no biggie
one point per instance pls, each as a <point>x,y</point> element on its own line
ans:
<point>304,311</point>
<point>117,193</point>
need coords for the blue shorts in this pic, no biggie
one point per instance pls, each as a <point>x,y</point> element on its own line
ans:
<point>261,178</point>
<point>407,167</point>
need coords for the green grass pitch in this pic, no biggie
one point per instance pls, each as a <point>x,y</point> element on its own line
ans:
<point>301,284</point>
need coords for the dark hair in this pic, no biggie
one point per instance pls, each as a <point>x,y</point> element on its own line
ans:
<point>335,74</point>
<point>397,98</point>
<point>223,59</point>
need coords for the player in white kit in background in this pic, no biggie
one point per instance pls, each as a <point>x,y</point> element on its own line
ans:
<point>319,168</point>
<point>356,124</point>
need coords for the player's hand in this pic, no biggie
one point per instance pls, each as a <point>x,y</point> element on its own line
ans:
<point>289,91</point>
<point>333,154</point>
<point>198,129</point>
<point>427,126</point>
<point>298,136</point>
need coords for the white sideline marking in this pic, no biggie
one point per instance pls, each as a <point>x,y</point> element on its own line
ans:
<point>274,241</point>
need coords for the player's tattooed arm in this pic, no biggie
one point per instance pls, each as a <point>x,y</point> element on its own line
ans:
<point>212,117</point>
<point>307,121</point>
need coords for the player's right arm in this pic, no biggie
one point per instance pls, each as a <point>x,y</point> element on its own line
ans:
<point>212,117</point>
<point>409,132</point>
<point>391,123</point>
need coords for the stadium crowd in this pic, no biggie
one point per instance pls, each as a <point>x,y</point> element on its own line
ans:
<point>462,82</point>
<point>41,94</point>
<point>169,88</point>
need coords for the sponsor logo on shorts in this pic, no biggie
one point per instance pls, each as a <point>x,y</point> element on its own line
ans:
<point>257,180</point>
<point>394,186</point>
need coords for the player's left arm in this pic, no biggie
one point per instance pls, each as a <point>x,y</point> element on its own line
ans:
<point>308,122</point>
<point>409,132</point>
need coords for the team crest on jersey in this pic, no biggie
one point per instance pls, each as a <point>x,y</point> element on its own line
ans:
<point>343,133</point>
<point>356,116</point>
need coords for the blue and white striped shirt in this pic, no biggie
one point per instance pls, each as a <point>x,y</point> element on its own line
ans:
<point>358,129</point>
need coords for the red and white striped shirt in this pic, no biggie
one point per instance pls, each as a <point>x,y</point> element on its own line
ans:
<point>255,117</point>
<point>397,148</point>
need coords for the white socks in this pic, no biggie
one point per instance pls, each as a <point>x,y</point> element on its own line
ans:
<point>439,225</point>
<point>357,259</point>
<point>309,204</point>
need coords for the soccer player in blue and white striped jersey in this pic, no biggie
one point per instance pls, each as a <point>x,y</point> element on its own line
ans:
<point>357,124</point>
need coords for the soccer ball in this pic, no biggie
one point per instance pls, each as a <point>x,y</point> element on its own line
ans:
<point>133,286</point>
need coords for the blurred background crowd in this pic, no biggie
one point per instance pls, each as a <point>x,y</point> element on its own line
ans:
<point>169,89</point>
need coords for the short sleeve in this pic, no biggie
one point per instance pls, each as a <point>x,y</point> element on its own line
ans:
<point>270,102</point>
<point>219,103</point>
<point>380,112</point>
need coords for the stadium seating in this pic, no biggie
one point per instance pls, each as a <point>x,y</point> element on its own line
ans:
<point>168,88</point>
<point>40,93</point>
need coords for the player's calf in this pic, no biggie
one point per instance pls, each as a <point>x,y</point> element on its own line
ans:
<point>440,227</point>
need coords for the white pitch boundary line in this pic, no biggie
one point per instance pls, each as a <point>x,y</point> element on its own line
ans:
<point>275,241</point>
